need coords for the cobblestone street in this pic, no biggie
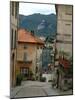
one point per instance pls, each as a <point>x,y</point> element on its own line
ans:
<point>35,88</point>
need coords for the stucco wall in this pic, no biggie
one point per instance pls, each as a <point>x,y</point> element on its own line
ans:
<point>64,28</point>
<point>30,51</point>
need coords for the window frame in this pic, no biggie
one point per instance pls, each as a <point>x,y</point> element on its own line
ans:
<point>25,57</point>
<point>12,8</point>
<point>24,71</point>
<point>12,31</point>
<point>25,46</point>
<point>16,9</point>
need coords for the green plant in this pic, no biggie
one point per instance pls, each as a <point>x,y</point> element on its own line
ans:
<point>43,79</point>
<point>33,79</point>
<point>31,73</point>
<point>49,80</point>
<point>64,53</point>
<point>24,78</point>
<point>19,78</point>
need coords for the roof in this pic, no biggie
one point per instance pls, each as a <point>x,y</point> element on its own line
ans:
<point>28,37</point>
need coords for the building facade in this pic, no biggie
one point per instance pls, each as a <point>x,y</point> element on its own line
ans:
<point>14,12</point>
<point>29,50</point>
<point>48,54</point>
<point>64,30</point>
<point>64,41</point>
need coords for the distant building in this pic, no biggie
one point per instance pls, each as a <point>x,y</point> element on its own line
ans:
<point>14,12</point>
<point>29,50</point>
<point>48,54</point>
<point>42,38</point>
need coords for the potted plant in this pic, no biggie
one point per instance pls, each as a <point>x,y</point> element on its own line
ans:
<point>19,78</point>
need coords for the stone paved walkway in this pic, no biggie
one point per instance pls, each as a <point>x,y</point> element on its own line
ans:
<point>35,88</point>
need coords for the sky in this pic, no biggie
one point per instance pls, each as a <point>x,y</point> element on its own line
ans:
<point>30,8</point>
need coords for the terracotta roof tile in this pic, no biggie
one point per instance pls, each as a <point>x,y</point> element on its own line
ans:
<point>25,36</point>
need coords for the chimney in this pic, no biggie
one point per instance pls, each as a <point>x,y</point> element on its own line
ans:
<point>32,32</point>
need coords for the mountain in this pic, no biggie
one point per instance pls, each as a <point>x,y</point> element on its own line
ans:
<point>43,25</point>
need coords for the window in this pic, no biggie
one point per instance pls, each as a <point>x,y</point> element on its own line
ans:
<point>25,46</point>
<point>69,14</point>
<point>25,56</point>
<point>67,34</point>
<point>68,24</point>
<point>68,10</point>
<point>41,47</point>
<point>24,71</point>
<point>15,40</point>
<point>12,8</point>
<point>16,9</point>
<point>65,42</point>
<point>11,38</point>
<point>37,47</point>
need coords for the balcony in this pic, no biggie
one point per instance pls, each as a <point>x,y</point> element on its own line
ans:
<point>27,61</point>
<point>24,61</point>
<point>23,57</point>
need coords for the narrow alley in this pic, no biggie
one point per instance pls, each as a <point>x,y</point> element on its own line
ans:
<point>35,88</point>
